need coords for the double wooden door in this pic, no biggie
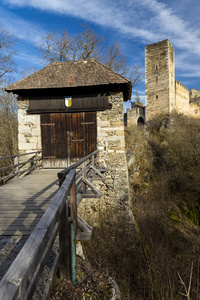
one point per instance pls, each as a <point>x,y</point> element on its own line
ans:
<point>67,137</point>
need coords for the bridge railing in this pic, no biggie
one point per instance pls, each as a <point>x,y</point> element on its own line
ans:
<point>21,279</point>
<point>91,158</point>
<point>61,217</point>
<point>15,168</point>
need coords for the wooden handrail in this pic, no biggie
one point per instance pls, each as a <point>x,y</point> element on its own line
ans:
<point>33,160</point>
<point>18,165</point>
<point>76,165</point>
<point>21,279</point>
<point>18,155</point>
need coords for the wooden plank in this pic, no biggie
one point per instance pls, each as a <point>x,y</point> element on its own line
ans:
<point>83,226</point>
<point>102,177</point>
<point>79,103</point>
<point>65,245</point>
<point>16,227</point>
<point>82,128</point>
<point>94,189</point>
<point>17,206</point>
<point>24,201</point>
<point>15,232</point>
<point>6,221</point>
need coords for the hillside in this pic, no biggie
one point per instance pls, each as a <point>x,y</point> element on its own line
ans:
<point>165,192</point>
<point>159,257</point>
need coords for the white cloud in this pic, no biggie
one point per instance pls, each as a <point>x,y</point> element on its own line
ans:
<point>149,20</point>
<point>28,57</point>
<point>146,21</point>
<point>20,28</point>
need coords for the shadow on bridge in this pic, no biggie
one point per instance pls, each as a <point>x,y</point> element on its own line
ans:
<point>23,202</point>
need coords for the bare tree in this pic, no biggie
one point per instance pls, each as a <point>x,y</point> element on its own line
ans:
<point>86,45</point>
<point>8,123</point>
<point>55,47</point>
<point>7,52</point>
<point>117,61</point>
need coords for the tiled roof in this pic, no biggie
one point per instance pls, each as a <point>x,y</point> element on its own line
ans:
<point>70,74</point>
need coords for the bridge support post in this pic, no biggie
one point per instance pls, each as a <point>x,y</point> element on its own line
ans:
<point>93,160</point>
<point>16,162</point>
<point>65,245</point>
<point>84,176</point>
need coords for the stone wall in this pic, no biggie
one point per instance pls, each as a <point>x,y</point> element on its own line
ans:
<point>111,146</point>
<point>134,114</point>
<point>195,95</point>
<point>182,97</point>
<point>29,132</point>
<point>172,98</point>
<point>112,154</point>
<point>194,110</point>
<point>159,78</point>
<point>163,93</point>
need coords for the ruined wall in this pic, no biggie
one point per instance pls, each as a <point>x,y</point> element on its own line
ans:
<point>29,132</point>
<point>182,97</point>
<point>187,102</point>
<point>136,115</point>
<point>159,78</point>
<point>195,96</point>
<point>132,116</point>
<point>194,110</point>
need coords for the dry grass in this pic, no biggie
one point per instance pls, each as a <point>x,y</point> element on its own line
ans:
<point>165,189</point>
<point>162,260</point>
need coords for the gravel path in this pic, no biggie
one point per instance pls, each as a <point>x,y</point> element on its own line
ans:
<point>9,249</point>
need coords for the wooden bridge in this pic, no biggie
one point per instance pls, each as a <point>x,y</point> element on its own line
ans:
<point>35,205</point>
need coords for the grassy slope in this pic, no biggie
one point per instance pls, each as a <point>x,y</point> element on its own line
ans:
<point>162,261</point>
<point>165,186</point>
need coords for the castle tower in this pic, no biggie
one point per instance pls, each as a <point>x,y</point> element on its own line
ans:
<point>159,78</point>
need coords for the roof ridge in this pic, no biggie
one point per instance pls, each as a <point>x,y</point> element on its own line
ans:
<point>128,80</point>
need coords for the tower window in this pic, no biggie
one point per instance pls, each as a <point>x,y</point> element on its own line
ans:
<point>156,67</point>
<point>156,79</point>
<point>156,97</point>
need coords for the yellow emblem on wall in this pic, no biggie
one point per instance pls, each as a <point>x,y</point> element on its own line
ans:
<point>68,101</point>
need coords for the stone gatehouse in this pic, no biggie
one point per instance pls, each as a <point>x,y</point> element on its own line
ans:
<point>69,109</point>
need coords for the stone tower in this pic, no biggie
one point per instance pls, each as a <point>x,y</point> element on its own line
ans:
<point>159,78</point>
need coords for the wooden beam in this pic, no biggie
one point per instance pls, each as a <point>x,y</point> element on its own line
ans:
<point>93,188</point>
<point>102,177</point>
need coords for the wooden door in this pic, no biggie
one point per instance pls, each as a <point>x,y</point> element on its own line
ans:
<point>67,137</point>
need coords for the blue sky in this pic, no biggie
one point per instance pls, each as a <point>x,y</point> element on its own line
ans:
<point>134,23</point>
